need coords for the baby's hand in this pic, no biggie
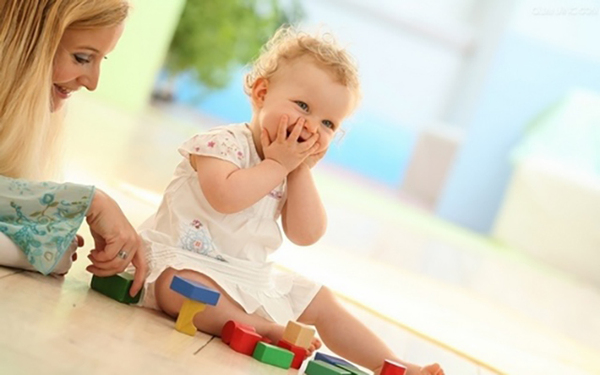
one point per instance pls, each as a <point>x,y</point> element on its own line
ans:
<point>285,149</point>
<point>313,159</point>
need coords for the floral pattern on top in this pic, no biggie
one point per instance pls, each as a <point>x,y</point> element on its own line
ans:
<point>195,238</point>
<point>42,218</point>
<point>221,145</point>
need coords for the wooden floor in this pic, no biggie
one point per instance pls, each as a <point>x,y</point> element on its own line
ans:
<point>54,325</point>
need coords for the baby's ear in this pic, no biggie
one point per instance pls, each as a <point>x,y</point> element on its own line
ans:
<point>259,91</point>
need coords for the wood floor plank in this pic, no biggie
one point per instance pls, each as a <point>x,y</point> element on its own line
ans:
<point>218,358</point>
<point>60,326</point>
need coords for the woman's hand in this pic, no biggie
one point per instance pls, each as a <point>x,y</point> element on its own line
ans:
<point>115,240</point>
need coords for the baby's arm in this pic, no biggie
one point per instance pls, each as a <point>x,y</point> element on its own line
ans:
<point>303,217</point>
<point>230,189</point>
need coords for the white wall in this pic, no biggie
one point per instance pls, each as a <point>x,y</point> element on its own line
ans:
<point>409,53</point>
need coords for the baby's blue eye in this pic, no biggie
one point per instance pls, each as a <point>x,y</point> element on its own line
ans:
<point>302,105</point>
<point>81,59</point>
<point>328,124</point>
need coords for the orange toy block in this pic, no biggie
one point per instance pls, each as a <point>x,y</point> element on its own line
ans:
<point>299,353</point>
<point>392,368</point>
<point>244,341</point>
<point>298,334</point>
<point>230,326</point>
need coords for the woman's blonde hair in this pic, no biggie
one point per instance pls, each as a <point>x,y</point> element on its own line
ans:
<point>30,33</point>
<point>289,44</point>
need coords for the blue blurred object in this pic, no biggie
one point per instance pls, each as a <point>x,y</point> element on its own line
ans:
<point>526,78</point>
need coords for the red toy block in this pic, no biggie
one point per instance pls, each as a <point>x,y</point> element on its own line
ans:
<point>230,326</point>
<point>244,341</point>
<point>266,340</point>
<point>392,368</point>
<point>299,353</point>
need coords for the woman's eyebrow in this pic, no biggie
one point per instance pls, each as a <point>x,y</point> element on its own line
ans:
<point>89,48</point>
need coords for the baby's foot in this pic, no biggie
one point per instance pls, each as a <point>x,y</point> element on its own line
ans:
<point>412,369</point>
<point>275,334</point>
<point>314,345</point>
<point>434,369</point>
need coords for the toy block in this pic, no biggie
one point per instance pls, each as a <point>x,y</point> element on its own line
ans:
<point>323,368</point>
<point>299,353</point>
<point>266,340</point>
<point>352,369</point>
<point>185,319</point>
<point>116,287</point>
<point>244,341</point>
<point>230,326</point>
<point>273,355</point>
<point>332,360</point>
<point>298,334</point>
<point>392,368</point>
<point>195,291</point>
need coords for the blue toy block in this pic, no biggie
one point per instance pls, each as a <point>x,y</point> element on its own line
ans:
<point>332,360</point>
<point>195,291</point>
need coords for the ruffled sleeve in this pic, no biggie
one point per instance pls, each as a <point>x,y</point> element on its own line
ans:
<point>42,218</point>
<point>219,143</point>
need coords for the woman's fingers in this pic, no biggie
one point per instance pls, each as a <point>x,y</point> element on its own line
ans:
<point>141,271</point>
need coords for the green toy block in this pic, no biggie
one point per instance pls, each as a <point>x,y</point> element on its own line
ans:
<point>352,370</point>
<point>116,287</point>
<point>323,368</point>
<point>273,355</point>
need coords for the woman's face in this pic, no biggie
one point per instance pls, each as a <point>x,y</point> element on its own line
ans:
<point>77,61</point>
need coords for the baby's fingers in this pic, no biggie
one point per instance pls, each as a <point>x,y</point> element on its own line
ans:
<point>282,129</point>
<point>264,138</point>
<point>297,130</point>
<point>310,145</point>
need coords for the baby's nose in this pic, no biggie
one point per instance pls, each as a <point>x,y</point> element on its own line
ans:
<point>310,125</point>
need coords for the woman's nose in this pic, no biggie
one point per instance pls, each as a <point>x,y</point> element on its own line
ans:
<point>90,80</point>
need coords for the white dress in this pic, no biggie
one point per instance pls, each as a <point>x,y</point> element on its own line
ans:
<point>231,249</point>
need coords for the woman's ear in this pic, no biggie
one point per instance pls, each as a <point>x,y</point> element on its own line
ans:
<point>259,92</point>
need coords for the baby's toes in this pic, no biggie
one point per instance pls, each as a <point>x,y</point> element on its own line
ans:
<point>314,345</point>
<point>434,369</point>
<point>316,342</point>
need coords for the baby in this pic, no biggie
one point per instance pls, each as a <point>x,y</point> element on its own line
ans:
<point>218,221</point>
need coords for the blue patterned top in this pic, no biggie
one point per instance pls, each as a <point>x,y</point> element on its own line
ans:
<point>42,218</point>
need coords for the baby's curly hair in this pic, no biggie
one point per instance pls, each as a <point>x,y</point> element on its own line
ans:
<point>288,44</point>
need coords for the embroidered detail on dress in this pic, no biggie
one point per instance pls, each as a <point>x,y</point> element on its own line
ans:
<point>276,194</point>
<point>225,147</point>
<point>195,238</point>
<point>42,234</point>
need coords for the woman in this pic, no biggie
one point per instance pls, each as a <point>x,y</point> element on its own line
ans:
<point>49,49</point>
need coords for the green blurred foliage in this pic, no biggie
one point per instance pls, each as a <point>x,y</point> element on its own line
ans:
<point>215,36</point>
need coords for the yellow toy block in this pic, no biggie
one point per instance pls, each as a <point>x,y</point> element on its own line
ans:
<point>298,334</point>
<point>185,320</point>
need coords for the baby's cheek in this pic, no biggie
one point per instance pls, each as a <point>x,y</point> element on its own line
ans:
<point>324,142</point>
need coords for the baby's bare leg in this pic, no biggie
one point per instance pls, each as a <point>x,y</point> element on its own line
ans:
<point>348,337</point>
<point>213,318</point>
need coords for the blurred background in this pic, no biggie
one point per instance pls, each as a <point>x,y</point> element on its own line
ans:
<point>469,176</point>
